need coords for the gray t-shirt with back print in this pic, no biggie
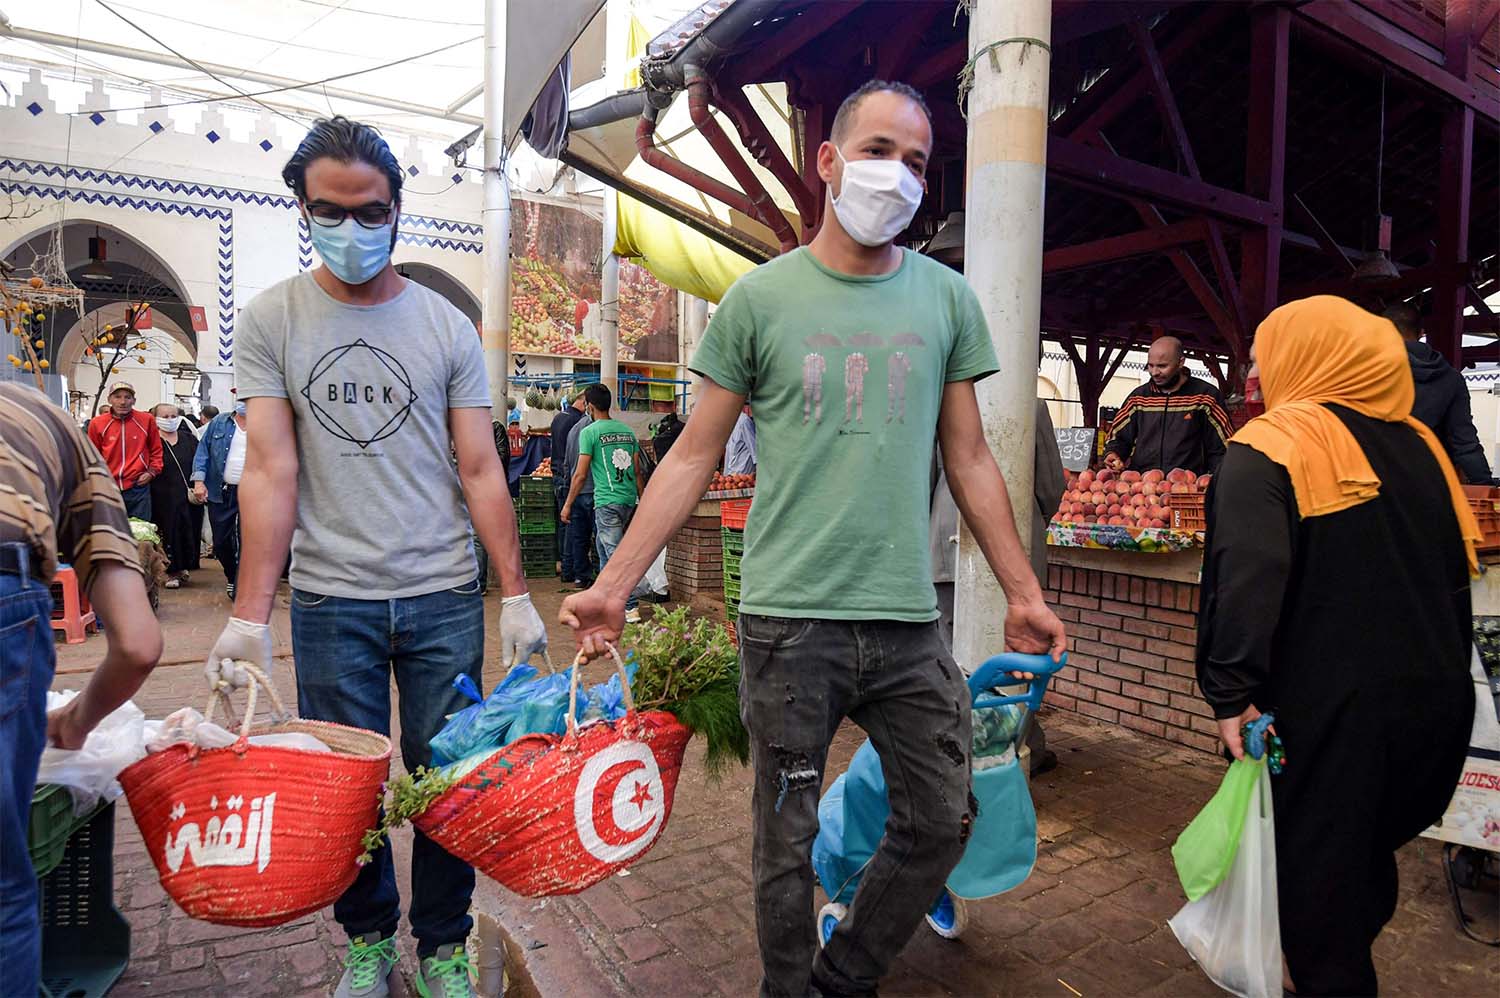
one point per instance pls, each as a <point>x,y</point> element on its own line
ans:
<point>380,514</point>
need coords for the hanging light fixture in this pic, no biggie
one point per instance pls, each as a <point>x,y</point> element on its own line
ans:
<point>1377,265</point>
<point>947,244</point>
<point>97,269</point>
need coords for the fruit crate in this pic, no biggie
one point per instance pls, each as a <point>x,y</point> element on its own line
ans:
<point>734,512</point>
<point>734,541</point>
<point>536,485</point>
<point>1188,513</point>
<point>52,821</point>
<point>1484,501</point>
<point>85,939</point>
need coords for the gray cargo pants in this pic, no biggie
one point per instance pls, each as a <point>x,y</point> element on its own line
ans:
<point>798,680</point>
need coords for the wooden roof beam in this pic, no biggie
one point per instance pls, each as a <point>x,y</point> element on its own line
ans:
<point>1124,247</point>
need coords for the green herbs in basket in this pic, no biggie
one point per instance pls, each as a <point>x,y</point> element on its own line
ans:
<point>408,795</point>
<point>690,669</point>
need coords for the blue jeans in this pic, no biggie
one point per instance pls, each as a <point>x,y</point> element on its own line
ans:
<point>138,501</point>
<point>346,650</point>
<point>610,522</point>
<point>580,539</point>
<point>26,663</point>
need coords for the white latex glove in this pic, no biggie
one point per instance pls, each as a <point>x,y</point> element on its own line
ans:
<point>241,641</point>
<point>522,633</point>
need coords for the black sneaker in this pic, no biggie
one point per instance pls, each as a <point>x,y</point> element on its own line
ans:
<point>229,590</point>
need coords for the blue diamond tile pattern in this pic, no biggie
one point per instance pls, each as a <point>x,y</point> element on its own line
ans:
<point>412,171</point>
<point>212,136</point>
<point>156,127</point>
<point>34,108</point>
<point>265,144</point>
<point>457,177</point>
<point>97,118</point>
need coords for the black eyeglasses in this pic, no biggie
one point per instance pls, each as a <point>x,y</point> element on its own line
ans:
<point>370,216</point>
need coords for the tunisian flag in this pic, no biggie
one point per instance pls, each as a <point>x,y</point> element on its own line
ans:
<point>556,814</point>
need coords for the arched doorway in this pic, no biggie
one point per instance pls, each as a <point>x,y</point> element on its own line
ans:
<point>129,274</point>
<point>444,284</point>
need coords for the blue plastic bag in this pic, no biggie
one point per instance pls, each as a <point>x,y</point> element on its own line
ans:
<point>522,704</point>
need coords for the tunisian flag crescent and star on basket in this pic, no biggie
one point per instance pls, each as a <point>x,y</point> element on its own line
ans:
<point>555,815</point>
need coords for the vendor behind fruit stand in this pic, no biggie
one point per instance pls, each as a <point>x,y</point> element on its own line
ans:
<point>1172,421</point>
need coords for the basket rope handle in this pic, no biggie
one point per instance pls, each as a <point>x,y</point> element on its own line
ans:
<point>573,688</point>
<point>221,690</point>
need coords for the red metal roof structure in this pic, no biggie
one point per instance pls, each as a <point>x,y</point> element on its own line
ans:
<point>1206,161</point>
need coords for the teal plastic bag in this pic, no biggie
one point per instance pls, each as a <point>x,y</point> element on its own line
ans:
<point>1205,850</point>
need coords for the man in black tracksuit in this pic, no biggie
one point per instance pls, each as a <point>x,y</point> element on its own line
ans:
<point>1442,400</point>
<point>1172,421</point>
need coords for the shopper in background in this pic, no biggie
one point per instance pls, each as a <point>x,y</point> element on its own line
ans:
<point>562,426</point>
<point>609,456</point>
<point>217,451</point>
<point>1442,400</point>
<point>1336,596</point>
<point>173,500</point>
<point>579,517</point>
<point>1172,421</point>
<point>57,503</point>
<point>131,445</point>
<point>838,611</point>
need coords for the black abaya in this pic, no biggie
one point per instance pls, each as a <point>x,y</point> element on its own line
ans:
<point>1354,628</point>
<point>170,509</point>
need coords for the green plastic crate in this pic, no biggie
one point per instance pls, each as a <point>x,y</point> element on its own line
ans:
<point>734,540</point>
<point>52,821</point>
<point>731,591</point>
<point>533,486</point>
<point>85,939</point>
<point>536,527</point>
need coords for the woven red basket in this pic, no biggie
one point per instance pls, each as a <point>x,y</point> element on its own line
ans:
<point>256,835</point>
<point>550,814</point>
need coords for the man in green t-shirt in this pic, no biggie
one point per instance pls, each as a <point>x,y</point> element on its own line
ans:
<point>607,450</point>
<point>859,353</point>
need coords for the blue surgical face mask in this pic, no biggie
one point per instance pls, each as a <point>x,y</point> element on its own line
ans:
<point>240,409</point>
<point>354,253</point>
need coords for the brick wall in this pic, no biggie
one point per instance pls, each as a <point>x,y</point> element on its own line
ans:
<point>695,558</point>
<point>1131,655</point>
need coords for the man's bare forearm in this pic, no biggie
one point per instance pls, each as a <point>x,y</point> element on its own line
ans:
<point>979,491</point>
<point>268,515</point>
<point>494,515</point>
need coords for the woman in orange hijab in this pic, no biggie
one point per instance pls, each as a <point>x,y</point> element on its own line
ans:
<point>1336,596</point>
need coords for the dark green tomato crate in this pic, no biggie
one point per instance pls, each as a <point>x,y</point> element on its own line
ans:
<point>734,541</point>
<point>85,939</point>
<point>52,821</point>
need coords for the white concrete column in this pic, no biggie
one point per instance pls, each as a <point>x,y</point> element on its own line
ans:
<point>616,38</point>
<point>694,321</point>
<point>1007,151</point>
<point>495,214</point>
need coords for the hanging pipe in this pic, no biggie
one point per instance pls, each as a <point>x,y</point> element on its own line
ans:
<point>653,155</point>
<point>759,142</point>
<point>763,208</point>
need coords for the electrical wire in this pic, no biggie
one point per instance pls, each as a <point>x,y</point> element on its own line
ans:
<point>194,63</point>
<point>394,17</point>
<point>308,85</point>
<point>263,38</point>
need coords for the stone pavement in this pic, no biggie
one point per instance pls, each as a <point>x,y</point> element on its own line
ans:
<point>1089,921</point>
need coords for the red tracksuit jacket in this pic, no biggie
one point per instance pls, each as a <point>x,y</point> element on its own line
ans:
<point>131,446</point>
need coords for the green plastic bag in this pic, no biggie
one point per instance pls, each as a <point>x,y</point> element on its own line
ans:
<point>1205,850</point>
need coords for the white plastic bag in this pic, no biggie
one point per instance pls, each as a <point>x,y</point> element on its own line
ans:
<point>1233,931</point>
<point>89,773</point>
<point>188,727</point>
<point>656,575</point>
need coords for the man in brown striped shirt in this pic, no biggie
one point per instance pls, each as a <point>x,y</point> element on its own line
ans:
<point>58,503</point>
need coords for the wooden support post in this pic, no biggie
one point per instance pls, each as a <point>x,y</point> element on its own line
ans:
<point>1265,159</point>
<point>1455,188</point>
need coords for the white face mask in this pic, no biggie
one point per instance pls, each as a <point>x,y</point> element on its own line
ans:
<point>168,424</point>
<point>878,199</point>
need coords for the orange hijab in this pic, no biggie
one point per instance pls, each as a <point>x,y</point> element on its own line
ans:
<point>1326,349</point>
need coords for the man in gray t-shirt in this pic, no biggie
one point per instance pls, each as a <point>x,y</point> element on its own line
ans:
<point>377,380</point>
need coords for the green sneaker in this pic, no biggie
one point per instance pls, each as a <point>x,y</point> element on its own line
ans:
<point>446,974</point>
<point>367,967</point>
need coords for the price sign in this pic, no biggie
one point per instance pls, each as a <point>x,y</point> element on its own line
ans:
<point>1076,445</point>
